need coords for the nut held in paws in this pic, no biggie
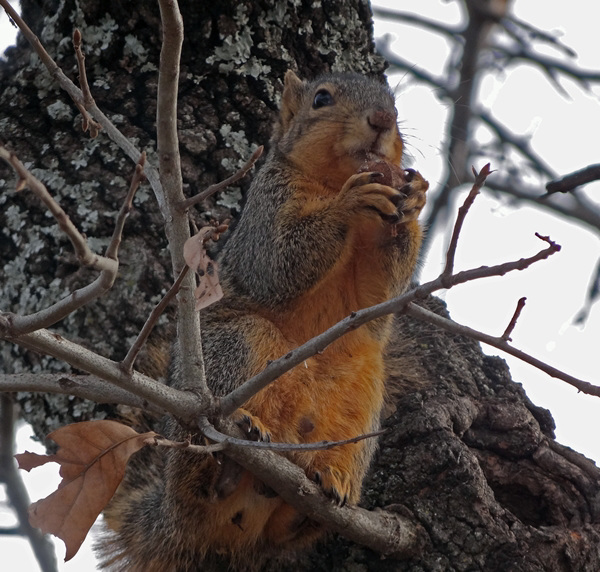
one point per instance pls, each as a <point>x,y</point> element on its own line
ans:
<point>393,176</point>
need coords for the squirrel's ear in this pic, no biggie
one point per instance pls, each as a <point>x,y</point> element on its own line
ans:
<point>293,88</point>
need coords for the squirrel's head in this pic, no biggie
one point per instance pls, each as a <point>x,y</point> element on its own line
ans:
<point>337,122</point>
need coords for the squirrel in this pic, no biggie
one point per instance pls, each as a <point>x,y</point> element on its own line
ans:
<point>329,227</point>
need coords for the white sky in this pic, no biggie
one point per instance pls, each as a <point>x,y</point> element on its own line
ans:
<point>565,134</point>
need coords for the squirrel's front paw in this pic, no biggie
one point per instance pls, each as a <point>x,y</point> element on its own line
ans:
<point>335,483</point>
<point>252,426</point>
<point>414,191</point>
<point>365,193</point>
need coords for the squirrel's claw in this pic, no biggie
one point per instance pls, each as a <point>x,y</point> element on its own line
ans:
<point>335,484</point>
<point>414,196</point>
<point>252,426</point>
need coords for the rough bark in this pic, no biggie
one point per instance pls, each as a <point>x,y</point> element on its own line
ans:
<point>475,462</point>
<point>467,454</point>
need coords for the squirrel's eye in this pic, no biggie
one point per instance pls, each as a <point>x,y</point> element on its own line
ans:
<point>322,99</point>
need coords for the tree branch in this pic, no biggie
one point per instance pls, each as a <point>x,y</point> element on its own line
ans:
<point>187,203</point>
<point>425,23</point>
<point>395,61</point>
<point>549,66</point>
<point>177,228</point>
<point>501,344</point>
<point>520,143</point>
<point>211,433</point>
<point>15,489</point>
<point>182,404</point>
<point>89,387</point>
<point>129,359</point>
<point>462,213</point>
<point>567,205</point>
<point>388,533</point>
<point>317,344</point>
<point>570,182</point>
<point>107,265</point>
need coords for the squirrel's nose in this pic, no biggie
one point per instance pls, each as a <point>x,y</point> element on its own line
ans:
<point>381,120</point>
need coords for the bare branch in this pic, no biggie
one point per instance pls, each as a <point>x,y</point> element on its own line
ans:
<point>85,88</point>
<point>573,180</point>
<point>128,361</point>
<point>177,228</point>
<point>395,61</point>
<point>551,67</point>
<point>516,28</point>
<point>16,492</point>
<point>410,18</point>
<point>138,176</point>
<point>297,356</point>
<point>567,205</point>
<point>481,19</point>
<point>462,213</point>
<point>500,343</point>
<point>85,386</point>
<point>385,532</point>
<point>519,143</point>
<point>513,321</point>
<point>160,441</point>
<point>591,296</point>
<point>108,265</point>
<point>211,433</point>
<point>182,404</point>
<point>26,179</point>
<point>223,184</point>
<point>88,100</point>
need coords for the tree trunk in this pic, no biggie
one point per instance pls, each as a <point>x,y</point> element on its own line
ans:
<point>466,453</point>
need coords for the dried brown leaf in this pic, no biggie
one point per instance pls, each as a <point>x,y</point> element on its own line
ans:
<point>92,458</point>
<point>194,253</point>
<point>209,288</point>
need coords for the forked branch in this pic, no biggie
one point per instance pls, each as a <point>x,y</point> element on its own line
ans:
<point>14,325</point>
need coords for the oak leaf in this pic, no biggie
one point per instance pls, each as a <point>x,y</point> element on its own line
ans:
<point>92,456</point>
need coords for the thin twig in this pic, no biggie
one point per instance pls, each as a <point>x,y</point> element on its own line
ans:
<point>88,100</point>
<point>396,62</point>
<point>211,433</point>
<point>513,321</point>
<point>160,441</point>
<point>462,213</point>
<point>107,265</point>
<point>217,187</point>
<point>138,177</point>
<point>550,66</point>
<point>570,205</point>
<point>514,26</point>
<point>501,344</point>
<point>82,250</point>
<point>520,143</point>
<point>410,18</point>
<point>128,361</point>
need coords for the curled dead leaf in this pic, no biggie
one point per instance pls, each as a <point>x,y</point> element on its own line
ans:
<point>92,458</point>
<point>209,289</point>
